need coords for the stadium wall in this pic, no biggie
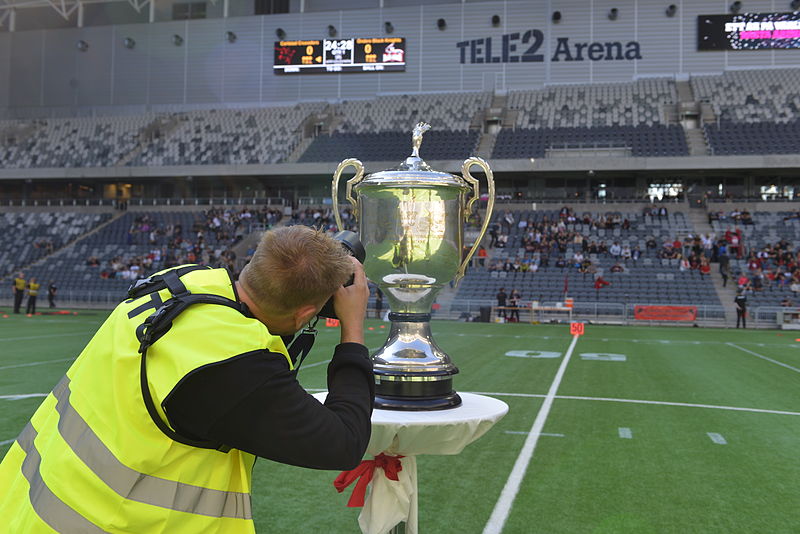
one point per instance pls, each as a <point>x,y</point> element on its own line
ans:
<point>5,68</point>
<point>47,75</point>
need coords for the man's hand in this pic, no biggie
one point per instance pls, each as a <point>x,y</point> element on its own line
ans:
<point>350,304</point>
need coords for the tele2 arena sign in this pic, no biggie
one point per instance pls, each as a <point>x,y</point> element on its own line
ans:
<point>527,48</point>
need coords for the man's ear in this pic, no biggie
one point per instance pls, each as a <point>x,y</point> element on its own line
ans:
<point>304,314</point>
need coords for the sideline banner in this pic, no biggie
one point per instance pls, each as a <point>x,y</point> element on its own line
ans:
<point>665,313</point>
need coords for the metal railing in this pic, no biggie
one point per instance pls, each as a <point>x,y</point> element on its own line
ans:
<point>135,202</point>
<point>785,317</point>
<point>614,312</point>
<point>470,310</point>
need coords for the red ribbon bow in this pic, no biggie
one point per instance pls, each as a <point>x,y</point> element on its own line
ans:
<point>390,465</point>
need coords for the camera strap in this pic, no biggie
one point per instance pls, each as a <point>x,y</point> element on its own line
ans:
<point>302,345</point>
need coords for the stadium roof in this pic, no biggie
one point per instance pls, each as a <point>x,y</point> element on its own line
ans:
<point>66,8</point>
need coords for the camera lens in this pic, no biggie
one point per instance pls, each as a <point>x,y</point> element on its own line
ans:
<point>352,243</point>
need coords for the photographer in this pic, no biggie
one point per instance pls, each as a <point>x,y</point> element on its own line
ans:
<point>156,426</point>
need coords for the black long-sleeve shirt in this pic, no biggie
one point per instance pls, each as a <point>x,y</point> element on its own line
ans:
<point>253,402</point>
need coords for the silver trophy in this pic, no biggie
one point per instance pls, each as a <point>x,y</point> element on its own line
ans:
<point>411,222</point>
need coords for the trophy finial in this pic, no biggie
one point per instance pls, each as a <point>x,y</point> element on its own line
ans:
<point>416,138</point>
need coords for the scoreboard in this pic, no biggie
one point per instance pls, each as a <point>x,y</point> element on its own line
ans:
<point>748,31</point>
<point>374,54</point>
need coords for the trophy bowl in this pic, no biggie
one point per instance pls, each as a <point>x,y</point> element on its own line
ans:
<point>411,222</point>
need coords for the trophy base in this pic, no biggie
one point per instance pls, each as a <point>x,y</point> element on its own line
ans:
<point>411,372</point>
<point>405,393</point>
<point>417,404</point>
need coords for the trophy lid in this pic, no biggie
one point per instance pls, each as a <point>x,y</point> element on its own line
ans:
<point>413,171</point>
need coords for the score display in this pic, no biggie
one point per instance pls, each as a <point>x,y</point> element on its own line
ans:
<point>748,31</point>
<point>374,54</point>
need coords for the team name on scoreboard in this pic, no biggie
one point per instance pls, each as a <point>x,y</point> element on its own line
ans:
<point>372,54</point>
<point>525,47</point>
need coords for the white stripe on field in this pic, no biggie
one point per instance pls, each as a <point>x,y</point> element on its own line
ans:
<point>717,438</point>
<point>6,442</point>
<point>635,401</point>
<point>734,345</point>
<point>23,396</point>
<point>309,366</point>
<point>625,433</point>
<point>526,433</point>
<point>32,364</point>
<point>45,336</point>
<point>509,493</point>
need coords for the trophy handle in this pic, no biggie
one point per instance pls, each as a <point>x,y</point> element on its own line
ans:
<point>349,191</point>
<point>468,208</point>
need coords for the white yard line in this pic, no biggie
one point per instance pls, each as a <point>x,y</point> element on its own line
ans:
<point>525,433</point>
<point>23,396</point>
<point>625,433</point>
<point>636,401</point>
<point>33,364</point>
<point>45,336</point>
<point>757,355</point>
<point>509,493</point>
<point>317,364</point>
<point>6,442</point>
<point>644,341</point>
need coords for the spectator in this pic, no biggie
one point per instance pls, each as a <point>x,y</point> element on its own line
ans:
<point>482,255</point>
<point>600,283</point>
<point>513,303</point>
<point>724,269</point>
<point>741,309</point>
<point>502,299</point>
<point>705,268</point>
<point>52,289</point>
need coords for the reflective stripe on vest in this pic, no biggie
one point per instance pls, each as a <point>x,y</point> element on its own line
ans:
<point>136,486</point>
<point>48,506</point>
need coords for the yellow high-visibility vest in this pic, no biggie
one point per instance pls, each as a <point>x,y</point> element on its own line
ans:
<point>92,460</point>
<point>19,284</point>
<point>33,289</point>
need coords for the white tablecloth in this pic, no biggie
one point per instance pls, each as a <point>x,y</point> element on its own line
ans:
<point>407,434</point>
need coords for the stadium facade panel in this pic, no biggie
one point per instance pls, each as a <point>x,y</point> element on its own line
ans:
<point>45,69</point>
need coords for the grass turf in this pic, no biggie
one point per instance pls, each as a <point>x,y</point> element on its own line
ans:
<point>584,477</point>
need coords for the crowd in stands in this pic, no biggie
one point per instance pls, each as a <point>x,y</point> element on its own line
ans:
<point>324,219</point>
<point>776,265</point>
<point>207,242</point>
<point>735,216</point>
<point>549,238</point>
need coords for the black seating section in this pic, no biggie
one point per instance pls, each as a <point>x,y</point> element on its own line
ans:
<point>391,146</point>
<point>642,140</point>
<point>29,236</point>
<point>732,138</point>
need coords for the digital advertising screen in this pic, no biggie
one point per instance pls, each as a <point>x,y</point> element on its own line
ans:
<point>372,54</point>
<point>748,31</point>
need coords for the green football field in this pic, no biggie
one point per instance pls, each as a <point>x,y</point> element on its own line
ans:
<point>668,430</point>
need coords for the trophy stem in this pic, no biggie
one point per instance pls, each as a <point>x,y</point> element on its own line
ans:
<point>411,371</point>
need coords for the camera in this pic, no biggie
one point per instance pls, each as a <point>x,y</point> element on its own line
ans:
<point>353,245</point>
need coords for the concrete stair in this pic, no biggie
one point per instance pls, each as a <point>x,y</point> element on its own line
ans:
<point>696,140</point>
<point>699,220</point>
<point>298,150</point>
<point>486,145</point>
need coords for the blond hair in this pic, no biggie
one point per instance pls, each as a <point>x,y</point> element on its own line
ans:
<point>295,266</point>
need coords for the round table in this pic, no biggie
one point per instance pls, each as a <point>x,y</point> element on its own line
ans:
<point>408,434</point>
